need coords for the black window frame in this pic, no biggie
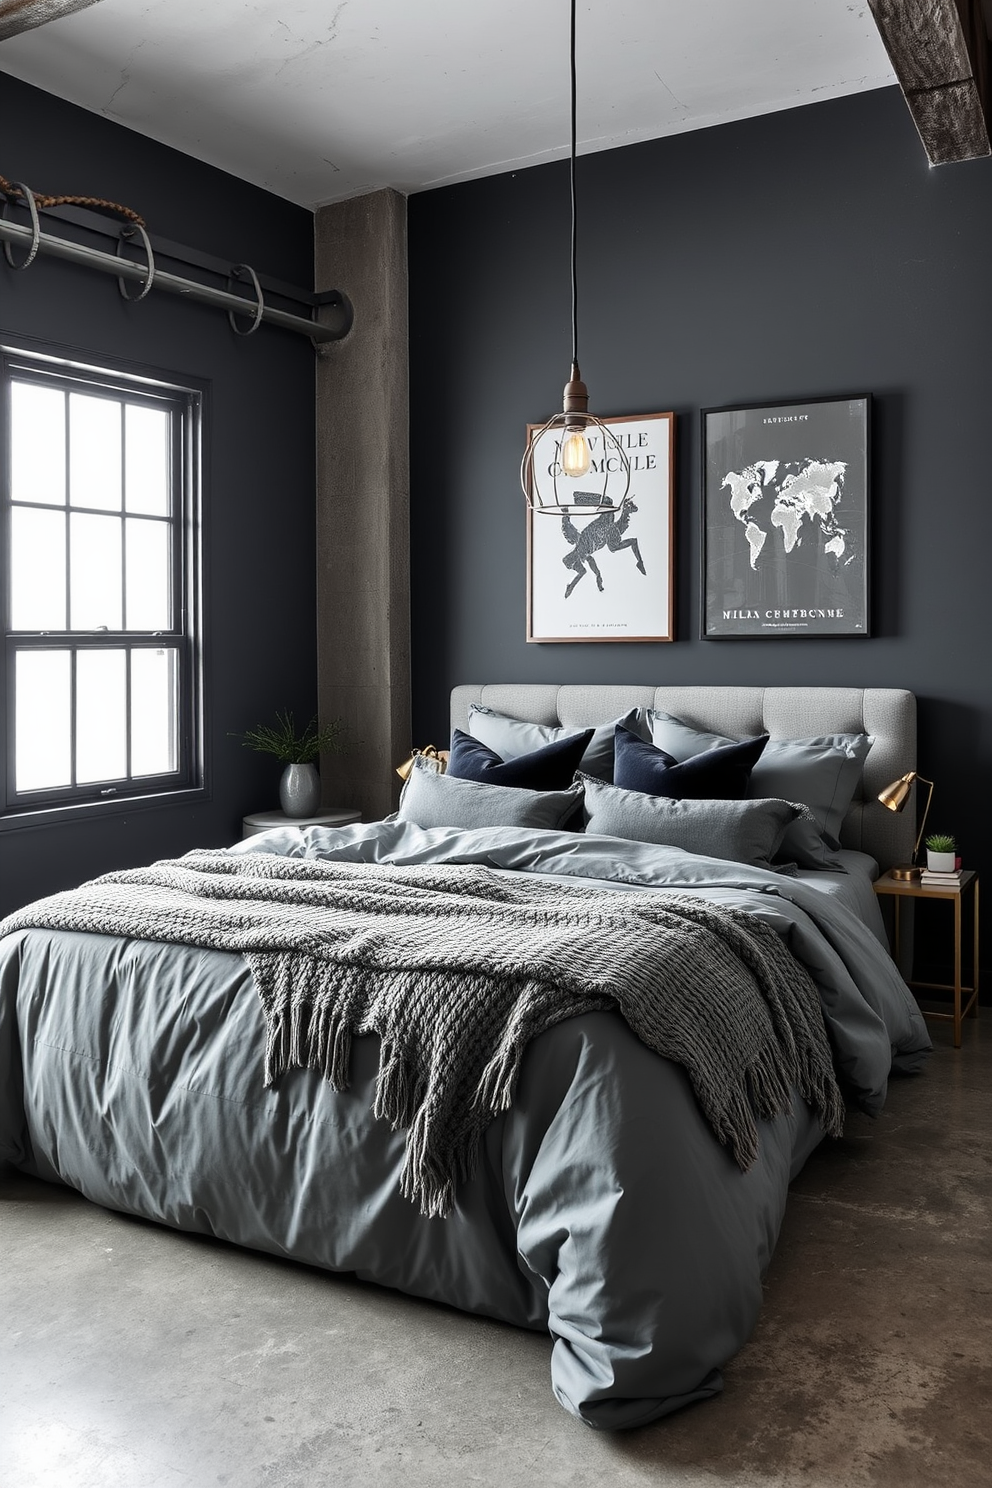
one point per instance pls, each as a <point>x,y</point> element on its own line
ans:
<point>184,401</point>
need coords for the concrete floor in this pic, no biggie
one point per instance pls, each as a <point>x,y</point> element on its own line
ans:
<point>136,1357</point>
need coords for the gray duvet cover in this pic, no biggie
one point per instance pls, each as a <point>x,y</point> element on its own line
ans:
<point>603,1208</point>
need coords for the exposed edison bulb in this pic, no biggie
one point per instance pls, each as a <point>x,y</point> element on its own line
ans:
<point>575,457</point>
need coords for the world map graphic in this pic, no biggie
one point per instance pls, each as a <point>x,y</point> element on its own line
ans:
<point>783,505</point>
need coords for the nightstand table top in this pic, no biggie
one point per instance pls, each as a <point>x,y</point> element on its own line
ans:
<point>916,890</point>
<point>264,821</point>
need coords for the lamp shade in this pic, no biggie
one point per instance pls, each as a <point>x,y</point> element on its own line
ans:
<point>436,758</point>
<point>895,795</point>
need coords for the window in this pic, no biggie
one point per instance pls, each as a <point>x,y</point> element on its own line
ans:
<point>99,585</point>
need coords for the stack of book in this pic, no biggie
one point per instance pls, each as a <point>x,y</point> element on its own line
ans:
<point>931,880</point>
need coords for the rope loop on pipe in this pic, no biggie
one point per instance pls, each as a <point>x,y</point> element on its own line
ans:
<point>96,203</point>
<point>128,232</point>
<point>28,195</point>
<point>236,272</point>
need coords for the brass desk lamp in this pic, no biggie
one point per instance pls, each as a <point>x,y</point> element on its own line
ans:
<point>894,797</point>
<point>436,758</point>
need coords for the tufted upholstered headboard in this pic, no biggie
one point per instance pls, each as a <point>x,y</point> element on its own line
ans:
<point>888,714</point>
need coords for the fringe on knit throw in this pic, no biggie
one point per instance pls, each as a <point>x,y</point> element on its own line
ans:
<point>457,968</point>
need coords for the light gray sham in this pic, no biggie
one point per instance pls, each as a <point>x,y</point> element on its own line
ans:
<point>433,800</point>
<point>821,772</point>
<point>738,831</point>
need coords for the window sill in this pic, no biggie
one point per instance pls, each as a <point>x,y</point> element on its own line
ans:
<point>85,811</point>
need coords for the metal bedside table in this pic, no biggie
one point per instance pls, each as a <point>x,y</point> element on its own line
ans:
<point>264,821</point>
<point>899,889</point>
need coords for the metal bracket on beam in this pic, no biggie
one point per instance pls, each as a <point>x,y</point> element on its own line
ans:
<point>336,310</point>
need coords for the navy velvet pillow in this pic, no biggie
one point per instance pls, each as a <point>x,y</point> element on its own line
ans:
<point>717,775</point>
<point>547,769</point>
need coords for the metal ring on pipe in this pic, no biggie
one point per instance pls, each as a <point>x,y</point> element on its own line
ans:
<point>189,289</point>
<point>259,301</point>
<point>128,232</point>
<point>35,228</point>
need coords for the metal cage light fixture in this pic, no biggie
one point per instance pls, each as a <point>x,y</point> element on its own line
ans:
<point>562,445</point>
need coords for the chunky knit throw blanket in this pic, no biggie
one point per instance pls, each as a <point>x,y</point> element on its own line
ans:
<point>457,968</point>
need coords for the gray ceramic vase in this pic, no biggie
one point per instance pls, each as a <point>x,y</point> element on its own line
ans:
<point>299,790</point>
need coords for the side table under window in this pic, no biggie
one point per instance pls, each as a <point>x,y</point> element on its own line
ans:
<point>965,998</point>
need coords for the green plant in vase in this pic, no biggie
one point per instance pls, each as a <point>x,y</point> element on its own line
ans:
<point>299,787</point>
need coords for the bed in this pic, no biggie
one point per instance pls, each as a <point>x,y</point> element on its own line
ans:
<point>602,1204</point>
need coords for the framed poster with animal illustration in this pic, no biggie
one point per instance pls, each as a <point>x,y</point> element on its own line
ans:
<point>607,576</point>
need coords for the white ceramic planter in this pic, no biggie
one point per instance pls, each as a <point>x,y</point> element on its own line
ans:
<point>940,862</point>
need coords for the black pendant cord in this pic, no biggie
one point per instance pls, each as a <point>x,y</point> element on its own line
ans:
<point>575,286</point>
<point>568,429</point>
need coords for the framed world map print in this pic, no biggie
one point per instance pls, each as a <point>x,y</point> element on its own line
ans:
<point>785,520</point>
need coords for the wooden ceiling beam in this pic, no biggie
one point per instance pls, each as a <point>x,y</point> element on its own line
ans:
<point>23,15</point>
<point>939,50</point>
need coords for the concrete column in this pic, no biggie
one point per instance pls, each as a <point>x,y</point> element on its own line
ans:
<point>363,502</point>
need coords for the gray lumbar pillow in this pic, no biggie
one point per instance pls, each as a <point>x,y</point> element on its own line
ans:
<point>433,800</point>
<point>741,831</point>
<point>511,737</point>
<point>821,772</point>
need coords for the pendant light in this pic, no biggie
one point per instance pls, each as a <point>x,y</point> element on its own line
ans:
<point>574,445</point>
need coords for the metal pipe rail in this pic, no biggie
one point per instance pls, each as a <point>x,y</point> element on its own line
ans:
<point>338,312</point>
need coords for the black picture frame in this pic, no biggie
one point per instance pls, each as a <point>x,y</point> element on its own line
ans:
<point>785,520</point>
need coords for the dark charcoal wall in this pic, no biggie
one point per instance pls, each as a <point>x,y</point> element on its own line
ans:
<point>259,473</point>
<point>799,255</point>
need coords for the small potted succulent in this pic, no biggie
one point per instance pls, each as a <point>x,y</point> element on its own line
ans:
<point>299,788</point>
<point>941,852</point>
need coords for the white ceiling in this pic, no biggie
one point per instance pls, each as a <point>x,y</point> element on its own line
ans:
<point>319,100</point>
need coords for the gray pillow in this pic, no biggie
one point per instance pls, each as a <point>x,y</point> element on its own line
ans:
<point>822,772</point>
<point>511,737</point>
<point>433,800</point>
<point>804,845</point>
<point>741,831</point>
<point>679,739</point>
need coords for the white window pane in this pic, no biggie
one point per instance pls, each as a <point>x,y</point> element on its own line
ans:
<point>146,460</point>
<point>94,452</point>
<point>94,572</point>
<point>37,439</point>
<point>148,578</point>
<point>37,569</point>
<point>154,712</point>
<point>101,716</point>
<point>43,710</point>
